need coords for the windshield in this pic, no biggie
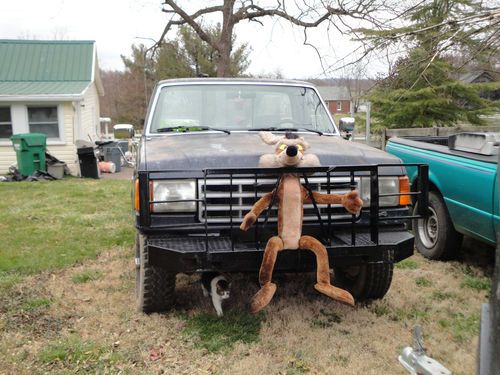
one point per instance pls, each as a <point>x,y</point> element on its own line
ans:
<point>239,107</point>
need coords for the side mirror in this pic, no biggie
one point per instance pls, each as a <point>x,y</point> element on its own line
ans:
<point>123,131</point>
<point>346,124</point>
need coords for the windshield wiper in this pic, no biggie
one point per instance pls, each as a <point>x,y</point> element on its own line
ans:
<point>276,129</point>
<point>185,129</point>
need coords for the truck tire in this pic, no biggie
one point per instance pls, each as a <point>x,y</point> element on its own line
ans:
<point>155,286</point>
<point>435,236</point>
<point>365,282</point>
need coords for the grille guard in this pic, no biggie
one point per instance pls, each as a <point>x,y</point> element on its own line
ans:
<point>205,243</point>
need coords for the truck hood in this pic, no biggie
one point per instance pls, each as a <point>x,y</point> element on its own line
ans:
<point>199,151</point>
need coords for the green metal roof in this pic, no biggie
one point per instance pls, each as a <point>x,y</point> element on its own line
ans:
<point>41,67</point>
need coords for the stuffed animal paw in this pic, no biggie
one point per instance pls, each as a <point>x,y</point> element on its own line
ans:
<point>248,220</point>
<point>352,202</point>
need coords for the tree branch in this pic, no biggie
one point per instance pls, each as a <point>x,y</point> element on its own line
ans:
<point>190,20</point>
<point>252,11</point>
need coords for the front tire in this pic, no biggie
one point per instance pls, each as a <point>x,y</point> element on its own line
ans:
<point>365,282</point>
<point>435,236</point>
<point>155,286</point>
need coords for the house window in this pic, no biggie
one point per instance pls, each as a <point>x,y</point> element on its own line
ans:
<point>339,106</point>
<point>44,120</point>
<point>5,122</point>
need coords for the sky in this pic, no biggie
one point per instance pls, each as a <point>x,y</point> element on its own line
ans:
<point>117,24</point>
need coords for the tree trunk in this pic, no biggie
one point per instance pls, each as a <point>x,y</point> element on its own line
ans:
<point>226,39</point>
<point>224,62</point>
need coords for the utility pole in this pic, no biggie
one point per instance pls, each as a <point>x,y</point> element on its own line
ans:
<point>368,122</point>
<point>146,97</point>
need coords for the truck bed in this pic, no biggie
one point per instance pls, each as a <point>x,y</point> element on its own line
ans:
<point>440,144</point>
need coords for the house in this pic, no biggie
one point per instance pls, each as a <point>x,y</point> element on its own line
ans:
<point>482,76</point>
<point>52,87</point>
<point>337,98</point>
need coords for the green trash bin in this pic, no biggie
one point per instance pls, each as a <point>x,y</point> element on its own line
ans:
<point>30,152</point>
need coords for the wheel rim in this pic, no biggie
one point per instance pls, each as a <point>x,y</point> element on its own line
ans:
<point>428,229</point>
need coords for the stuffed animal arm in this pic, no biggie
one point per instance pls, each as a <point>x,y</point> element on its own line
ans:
<point>256,210</point>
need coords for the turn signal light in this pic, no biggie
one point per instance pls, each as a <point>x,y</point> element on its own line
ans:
<point>136,195</point>
<point>404,187</point>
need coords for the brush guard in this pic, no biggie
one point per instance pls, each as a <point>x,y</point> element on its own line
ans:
<point>368,237</point>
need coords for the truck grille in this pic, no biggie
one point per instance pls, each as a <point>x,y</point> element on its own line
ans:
<point>226,198</point>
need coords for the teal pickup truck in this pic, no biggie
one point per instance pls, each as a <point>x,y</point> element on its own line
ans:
<point>463,189</point>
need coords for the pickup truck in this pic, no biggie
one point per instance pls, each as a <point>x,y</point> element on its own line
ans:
<point>197,176</point>
<point>463,189</point>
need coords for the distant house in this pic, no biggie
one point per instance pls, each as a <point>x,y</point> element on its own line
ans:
<point>481,76</point>
<point>52,87</point>
<point>337,98</point>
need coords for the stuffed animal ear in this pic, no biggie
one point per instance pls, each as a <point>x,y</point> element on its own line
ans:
<point>269,138</point>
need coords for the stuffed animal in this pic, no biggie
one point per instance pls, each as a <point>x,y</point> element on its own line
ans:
<point>291,197</point>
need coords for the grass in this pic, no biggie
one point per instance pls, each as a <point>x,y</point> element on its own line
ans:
<point>81,320</point>
<point>463,327</point>
<point>53,224</point>
<point>35,304</point>
<point>86,276</point>
<point>407,264</point>
<point>78,355</point>
<point>218,334</point>
<point>439,295</point>
<point>476,282</point>
<point>423,282</point>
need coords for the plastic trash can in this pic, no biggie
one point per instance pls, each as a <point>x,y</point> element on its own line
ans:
<point>30,152</point>
<point>113,153</point>
<point>88,162</point>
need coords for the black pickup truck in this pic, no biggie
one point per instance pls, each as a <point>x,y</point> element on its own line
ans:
<point>197,176</point>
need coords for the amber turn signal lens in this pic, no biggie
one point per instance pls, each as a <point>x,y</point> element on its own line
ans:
<point>136,195</point>
<point>404,187</point>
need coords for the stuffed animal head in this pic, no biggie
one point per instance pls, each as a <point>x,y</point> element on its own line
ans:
<point>290,151</point>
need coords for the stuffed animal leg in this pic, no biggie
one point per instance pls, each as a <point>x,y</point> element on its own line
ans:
<point>323,271</point>
<point>267,288</point>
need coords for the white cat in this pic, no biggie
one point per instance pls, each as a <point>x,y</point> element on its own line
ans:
<point>216,286</point>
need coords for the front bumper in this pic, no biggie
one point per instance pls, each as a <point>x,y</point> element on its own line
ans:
<point>195,254</point>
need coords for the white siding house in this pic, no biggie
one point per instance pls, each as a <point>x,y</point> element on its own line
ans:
<point>50,87</point>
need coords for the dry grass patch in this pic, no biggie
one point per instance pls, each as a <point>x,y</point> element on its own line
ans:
<point>51,324</point>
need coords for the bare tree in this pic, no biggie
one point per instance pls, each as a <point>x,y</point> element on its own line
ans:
<point>305,14</point>
<point>354,78</point>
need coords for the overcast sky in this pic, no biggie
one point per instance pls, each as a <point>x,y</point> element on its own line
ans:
<point>116,24</point>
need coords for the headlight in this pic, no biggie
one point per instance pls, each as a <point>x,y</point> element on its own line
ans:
<point>183,191</point>
<point>386,185</point>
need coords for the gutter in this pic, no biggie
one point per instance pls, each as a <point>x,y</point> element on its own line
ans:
<point>42,97</point>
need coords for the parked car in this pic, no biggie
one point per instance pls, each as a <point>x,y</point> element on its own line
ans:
<point>463,197</point>
<point>197,176</point>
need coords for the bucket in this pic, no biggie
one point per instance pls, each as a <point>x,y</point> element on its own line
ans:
<point>56,170</point>
<point>107,167</point>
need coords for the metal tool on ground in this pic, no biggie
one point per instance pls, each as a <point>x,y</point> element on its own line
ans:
<point>414,359</point>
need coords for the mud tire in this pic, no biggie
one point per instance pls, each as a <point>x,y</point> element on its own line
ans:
<point>155,287</point>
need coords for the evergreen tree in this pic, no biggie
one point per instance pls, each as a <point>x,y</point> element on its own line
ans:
<point>422,89</point>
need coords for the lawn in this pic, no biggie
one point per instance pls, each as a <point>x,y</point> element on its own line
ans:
<point>67,303</point>
<point>51,224</point>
